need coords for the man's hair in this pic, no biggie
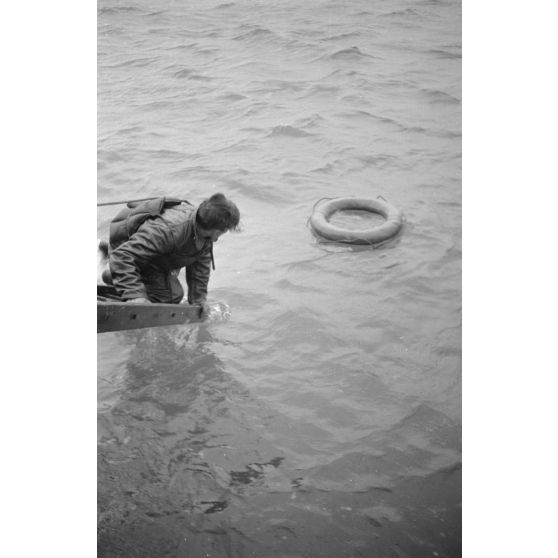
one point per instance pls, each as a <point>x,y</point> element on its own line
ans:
<point>217,212</point>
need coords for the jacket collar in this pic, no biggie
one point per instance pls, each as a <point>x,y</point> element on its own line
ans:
<point>200,242</point>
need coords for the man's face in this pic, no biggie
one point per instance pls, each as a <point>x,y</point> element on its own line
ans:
<point>210,234</point>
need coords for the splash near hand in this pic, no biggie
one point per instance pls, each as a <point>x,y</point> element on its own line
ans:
<point>216,312</point>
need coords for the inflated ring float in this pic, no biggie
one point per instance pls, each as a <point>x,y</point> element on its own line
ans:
<point>388,229</point>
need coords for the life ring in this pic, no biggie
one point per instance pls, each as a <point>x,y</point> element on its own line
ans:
<point>388,229</point>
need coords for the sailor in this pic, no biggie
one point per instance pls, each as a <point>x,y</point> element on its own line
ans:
<point>151,241</point>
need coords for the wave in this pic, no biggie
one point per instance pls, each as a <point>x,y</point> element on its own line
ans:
<point>301,326</point>
<point>360,114</point>
<point>182,46</point>
<point>154,105</point>
<point>343,73</point>
<point>118,10</point>
<point>437,96</point>
<point>286,285</point>
<point>407,12</point>
<point>274,85</point>
<point>165,154</point>
<point>155,14</point>
<point>198,171</point>
<point>450,134</point>
<point>131,130</point>
<point>231,97</point>
<point>258,192</point>
<point>445,54</point>
<point>351,53</point>
<point>326,169</point>
<point>311,121</point>
<point>320,89</point>
<point>190,75</point>
<point>208,51</point>
<point>181,74</point>
<point>342,36</point>
<point>288,131</point>
<point>257,33</point>
<point>134,63</point>
<point>109,156</point>
<point>374,160</point>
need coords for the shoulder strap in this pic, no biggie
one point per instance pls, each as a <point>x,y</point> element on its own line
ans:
<point>169,202</point>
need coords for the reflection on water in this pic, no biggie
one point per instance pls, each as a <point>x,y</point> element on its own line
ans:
<point>190,461</point>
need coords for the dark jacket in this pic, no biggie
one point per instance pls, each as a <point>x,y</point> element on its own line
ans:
<point>158,236</point>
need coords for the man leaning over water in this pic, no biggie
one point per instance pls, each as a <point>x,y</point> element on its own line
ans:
<point>151,241</point>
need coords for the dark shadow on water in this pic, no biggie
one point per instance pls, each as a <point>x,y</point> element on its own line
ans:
<point>175,446</point>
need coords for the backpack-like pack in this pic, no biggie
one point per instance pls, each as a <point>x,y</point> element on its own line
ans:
<point>128,220</point>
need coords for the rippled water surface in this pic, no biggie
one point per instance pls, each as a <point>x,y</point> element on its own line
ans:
<point>324,417</point>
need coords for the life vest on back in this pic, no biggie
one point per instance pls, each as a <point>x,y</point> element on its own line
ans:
<point>128,220</point>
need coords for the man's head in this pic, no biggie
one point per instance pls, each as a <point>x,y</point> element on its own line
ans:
<point>217,215</point>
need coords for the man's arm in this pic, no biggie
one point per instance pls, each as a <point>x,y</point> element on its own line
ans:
<point>197,278</point>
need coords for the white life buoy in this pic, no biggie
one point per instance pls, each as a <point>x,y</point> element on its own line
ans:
<point>388,229</point>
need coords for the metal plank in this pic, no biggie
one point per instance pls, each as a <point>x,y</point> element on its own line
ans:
<point>117,316</point>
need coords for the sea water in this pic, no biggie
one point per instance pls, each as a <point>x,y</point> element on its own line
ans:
<point>319,414</point>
